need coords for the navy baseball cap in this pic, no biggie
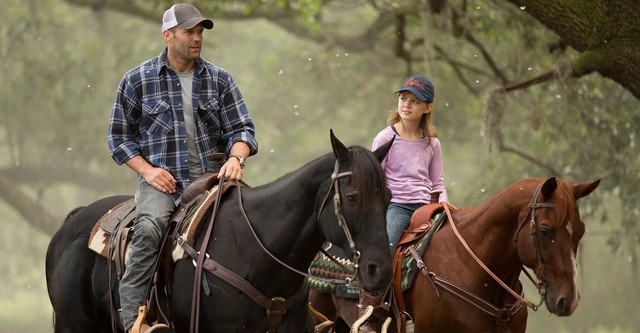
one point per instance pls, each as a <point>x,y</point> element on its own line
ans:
<point>420,86</point>
<point>185,16</point>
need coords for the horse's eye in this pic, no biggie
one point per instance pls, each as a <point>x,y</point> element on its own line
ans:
<point>352,198</point>
<point>545,232</point>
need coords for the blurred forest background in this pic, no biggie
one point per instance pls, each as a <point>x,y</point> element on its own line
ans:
<point>532,88</point>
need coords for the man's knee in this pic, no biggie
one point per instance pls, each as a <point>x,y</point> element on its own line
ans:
<point>149,229</point>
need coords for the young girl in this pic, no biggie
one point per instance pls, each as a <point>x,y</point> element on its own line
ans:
<point>413,166</point>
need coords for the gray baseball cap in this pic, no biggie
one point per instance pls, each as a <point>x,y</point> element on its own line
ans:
<point>185,16</point>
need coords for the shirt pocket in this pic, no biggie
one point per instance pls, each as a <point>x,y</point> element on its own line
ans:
<point>209,113</point>
<point>157,117</point>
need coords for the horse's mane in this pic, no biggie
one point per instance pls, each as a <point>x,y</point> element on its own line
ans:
<point>564,201</point>
<point>73,212</point>
<point>367,179</point>
<point>565,204</point>
<point>368,176</point>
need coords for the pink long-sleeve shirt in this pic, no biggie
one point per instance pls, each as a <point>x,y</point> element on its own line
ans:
<point>413,168</point>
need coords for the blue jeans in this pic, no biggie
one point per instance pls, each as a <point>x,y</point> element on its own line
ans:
<point>398,219</point>
<point>153,209</point>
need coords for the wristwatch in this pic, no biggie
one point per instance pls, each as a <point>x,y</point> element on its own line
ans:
<point>240,159</point>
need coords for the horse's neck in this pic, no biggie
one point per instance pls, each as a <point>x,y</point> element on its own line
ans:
<point>289,206</point>
<point>490,230</point>
<point>294,194</point>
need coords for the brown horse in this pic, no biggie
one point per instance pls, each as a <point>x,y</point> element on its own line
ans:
<point>471,269</point>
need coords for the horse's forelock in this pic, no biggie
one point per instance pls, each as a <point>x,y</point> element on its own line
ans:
<point>565,203</point>
<point>368,176</point>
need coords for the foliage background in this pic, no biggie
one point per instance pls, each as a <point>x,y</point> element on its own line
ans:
<point>61,64</point>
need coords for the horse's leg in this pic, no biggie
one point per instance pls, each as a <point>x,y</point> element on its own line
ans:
<point>347,309</point>
<point>421,302</point>
<point>322,303</point>
<point>69,270</point>
<point>70,291</point>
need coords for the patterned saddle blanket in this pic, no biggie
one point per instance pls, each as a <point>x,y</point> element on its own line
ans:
<point>424,224</point>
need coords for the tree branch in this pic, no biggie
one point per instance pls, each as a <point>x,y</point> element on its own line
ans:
<point>39,175</point>
<point>32,211</point>
<point>504,148</point>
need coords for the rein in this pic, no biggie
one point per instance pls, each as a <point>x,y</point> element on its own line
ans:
<point>484,267</point>
<point>341,221</point>
<point>277,306</point>
<point>541,284</point>
<point>503,315</point>
<point>195,305</point>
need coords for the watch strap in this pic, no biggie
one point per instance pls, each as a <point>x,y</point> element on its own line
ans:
<point>240,159</point>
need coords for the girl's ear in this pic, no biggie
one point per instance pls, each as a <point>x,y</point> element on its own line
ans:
<point>428,108</point>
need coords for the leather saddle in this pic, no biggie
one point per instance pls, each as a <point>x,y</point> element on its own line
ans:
<point>111,235</point>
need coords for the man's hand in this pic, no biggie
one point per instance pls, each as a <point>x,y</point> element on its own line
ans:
<point>161,179</point>
<point>231,170</point>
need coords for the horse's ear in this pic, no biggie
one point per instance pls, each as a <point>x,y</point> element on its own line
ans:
<point>549,187</point>
<point>584,189</point>
<point>339,150</point>
<point>382,151</point>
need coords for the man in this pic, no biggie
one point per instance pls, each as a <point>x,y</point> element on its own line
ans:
<point>171,114</point>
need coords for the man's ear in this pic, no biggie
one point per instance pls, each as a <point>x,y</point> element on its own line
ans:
<point>167,34</point>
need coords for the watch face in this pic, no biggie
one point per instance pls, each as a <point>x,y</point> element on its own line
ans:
<point>240,159</point>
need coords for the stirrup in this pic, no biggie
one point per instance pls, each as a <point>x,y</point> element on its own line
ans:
<point>324,327</point>
<point>159,328</point>
<point>385,325</point>
<point>367,313</point>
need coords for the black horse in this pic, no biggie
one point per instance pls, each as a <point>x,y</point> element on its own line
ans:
<point>292,217</point>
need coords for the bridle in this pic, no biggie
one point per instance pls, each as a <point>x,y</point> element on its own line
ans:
<point>342,222</point>
<point>541,283</point>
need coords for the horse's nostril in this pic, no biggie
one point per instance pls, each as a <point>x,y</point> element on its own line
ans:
<point>562,306</point>
<point>373,272</point>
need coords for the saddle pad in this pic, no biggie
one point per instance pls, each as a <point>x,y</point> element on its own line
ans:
<point>107,225</point>
<point>188,229</point>
<point>409,266</point>
<point>323,267</point>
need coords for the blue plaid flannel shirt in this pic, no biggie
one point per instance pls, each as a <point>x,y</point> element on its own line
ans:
<point>147,119</point>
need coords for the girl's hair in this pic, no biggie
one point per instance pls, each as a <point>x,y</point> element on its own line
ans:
<point>426,127</point>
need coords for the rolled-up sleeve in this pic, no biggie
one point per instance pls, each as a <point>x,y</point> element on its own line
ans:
<point>235,119</point>
<point>121,137</point>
